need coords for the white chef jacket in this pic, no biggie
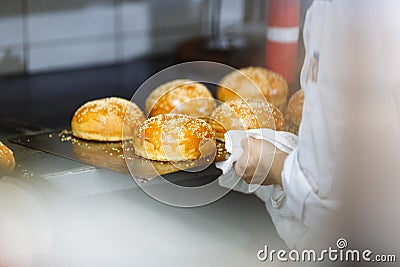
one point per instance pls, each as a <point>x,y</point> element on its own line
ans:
<point>347,42</point>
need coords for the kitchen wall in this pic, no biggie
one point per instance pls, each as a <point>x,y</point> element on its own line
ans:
<point>50,35</point>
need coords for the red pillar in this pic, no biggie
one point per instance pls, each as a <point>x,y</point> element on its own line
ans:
<point>282,37</point>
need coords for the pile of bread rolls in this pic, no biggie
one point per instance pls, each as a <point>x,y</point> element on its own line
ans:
<point>184,120</point>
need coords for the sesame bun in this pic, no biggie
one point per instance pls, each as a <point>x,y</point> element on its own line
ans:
<point>294,112</point>
<point>7,161</point>
<point>254,83</point>
<point>245,115</point>
<point>181,97</point>
<point>174,137</point>
<point>103,119</point>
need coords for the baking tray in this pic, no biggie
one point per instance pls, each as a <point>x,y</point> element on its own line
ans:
<point>110,155</point>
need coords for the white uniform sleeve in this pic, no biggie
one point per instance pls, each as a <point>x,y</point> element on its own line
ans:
<point>351,51</point>
<point>308,172</point>
<point>300,197</point>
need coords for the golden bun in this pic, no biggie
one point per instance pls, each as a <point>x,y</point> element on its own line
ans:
<point>254,83</point>
<point>174,137</point>
<point>294,111</point>
<point>181,97</point>
<point>245,115</point>
<point>7,160</point>
<point>103,119</point>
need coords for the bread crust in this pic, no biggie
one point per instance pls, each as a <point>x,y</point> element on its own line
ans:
<point>107,119</point>
<point>254,83</point>
<point>7,161</point>
<point>174,137</point>
<point>181,97</point>
<point>294,112</point>
<point>245,115</point>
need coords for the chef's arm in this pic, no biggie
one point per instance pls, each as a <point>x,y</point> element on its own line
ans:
<point>275,174</point>
<point>305,202</point>
<point>260,158</point>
